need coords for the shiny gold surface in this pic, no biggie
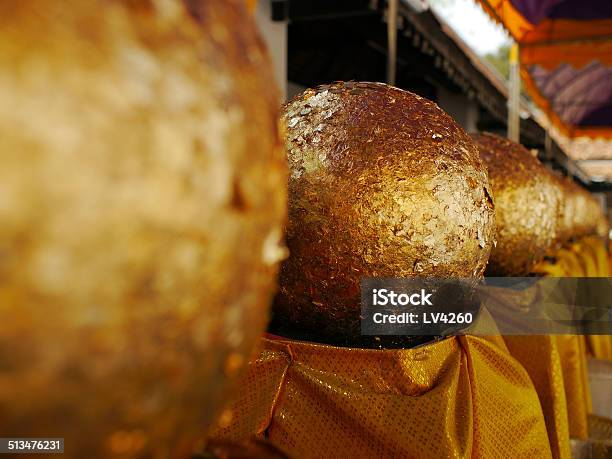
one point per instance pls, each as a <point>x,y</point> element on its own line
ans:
<point>527,206</point>
<point>383,183</point>
<point>557,364</point>
<point>141,207</point>
<point>457,398</point>
<point>583,215</point>
<point>540,357</point>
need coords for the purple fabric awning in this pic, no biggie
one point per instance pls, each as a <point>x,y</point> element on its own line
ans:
<point>581,97</point>
<point>565,55</point>
<point>537,10</point>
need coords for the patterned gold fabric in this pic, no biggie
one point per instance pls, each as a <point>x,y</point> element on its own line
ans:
<point>557,365</point>
<point>597,264</point>
<point>585,258</point>
<point>599,347</point>
<point>539,355</point>
<point>460,397</point>
<point>572,351</point>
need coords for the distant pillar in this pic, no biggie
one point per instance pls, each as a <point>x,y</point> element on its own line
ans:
<point>514,124</point>
<point>392,6</point>
<point>548,153</point>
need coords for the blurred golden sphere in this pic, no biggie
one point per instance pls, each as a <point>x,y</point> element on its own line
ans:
<point>142,199</point>
<point>527,205</point>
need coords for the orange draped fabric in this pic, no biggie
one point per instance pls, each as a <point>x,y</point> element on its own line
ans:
<point>547,30</point>
<point>460,397</point>
<point>575,54</point>
<point>540,356</point>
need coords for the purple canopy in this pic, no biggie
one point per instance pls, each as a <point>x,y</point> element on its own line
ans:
<point>565,52</point>
<point>580,97</point>
<point>537,10</point>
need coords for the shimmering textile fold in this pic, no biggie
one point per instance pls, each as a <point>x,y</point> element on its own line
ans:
<point>460,397</point>
<point>585,258</point>
<point>600,347</point>
<point>557,364</point>
<point>572,352</point>
<point>539,355</point>
<point>598,261</point>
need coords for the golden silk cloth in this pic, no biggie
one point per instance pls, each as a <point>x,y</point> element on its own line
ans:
<point>585,258</point>
<point>459,397</point>
<point>540,356</point>
<point>599,347</point>
<point>599,262</point>
<point>557,364</point>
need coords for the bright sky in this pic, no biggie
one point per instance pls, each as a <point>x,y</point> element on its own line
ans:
<point>472,24</point>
